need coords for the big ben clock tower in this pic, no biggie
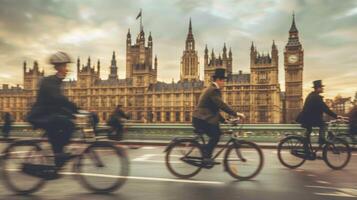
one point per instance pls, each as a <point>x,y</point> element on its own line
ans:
<point>294,64</point>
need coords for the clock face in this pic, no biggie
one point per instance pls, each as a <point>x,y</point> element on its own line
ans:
<point>293,58</point>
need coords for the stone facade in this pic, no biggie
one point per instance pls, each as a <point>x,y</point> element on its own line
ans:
<point>294,64</point>
<point>257,94</point>
<point>189,60</point>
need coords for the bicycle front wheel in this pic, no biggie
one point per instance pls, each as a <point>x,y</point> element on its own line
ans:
<point>292,151</point>
<point>102,167</point>
<point>12,164</point>
<point>243,160</point>
<point>337,154</point>
<point>184,158</point>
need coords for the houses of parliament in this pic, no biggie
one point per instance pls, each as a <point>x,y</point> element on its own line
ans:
<point>257,94</point>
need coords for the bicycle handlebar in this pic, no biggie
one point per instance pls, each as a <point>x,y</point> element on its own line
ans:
<point>83,113</point>
<point>234,121</point>
<point>339,120</point>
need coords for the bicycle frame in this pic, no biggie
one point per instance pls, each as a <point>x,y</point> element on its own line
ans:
<point>233,139</point>
<point>225,146</point>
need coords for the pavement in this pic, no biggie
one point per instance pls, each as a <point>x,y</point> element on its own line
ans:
<point>149,179</point>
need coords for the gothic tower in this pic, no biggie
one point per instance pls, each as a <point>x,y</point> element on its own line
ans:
<point>139,60</point>
<point>86,74</point>
<point>265,86</point>
<point>113,75</point>
<point>210,64</point>
<point>189,60</point>
<point>294,63</point>
<point>32,76</point>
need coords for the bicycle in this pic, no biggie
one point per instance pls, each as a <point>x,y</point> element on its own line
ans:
<point>350,137</point>
<point>184,155</point>
<point>100,166</point>
<point>294,150</point>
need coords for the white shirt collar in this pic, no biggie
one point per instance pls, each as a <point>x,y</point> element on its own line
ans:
<point>216,84</point>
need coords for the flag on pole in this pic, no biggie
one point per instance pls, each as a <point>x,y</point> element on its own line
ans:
<point>139,15</point>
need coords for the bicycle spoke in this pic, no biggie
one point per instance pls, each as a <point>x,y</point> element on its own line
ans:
<point>107,163</point>
<point>244,161</point>
<point>337,154</point>
<point>183,159</point>
<point>291,151</point>
<point>13,164</point>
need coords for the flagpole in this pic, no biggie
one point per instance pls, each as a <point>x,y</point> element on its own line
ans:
<point>141,20</point>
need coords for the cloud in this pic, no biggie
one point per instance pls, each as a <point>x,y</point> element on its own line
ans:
<point>33,29</point>
<point>82,35</point>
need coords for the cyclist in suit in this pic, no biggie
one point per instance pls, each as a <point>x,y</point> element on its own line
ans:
<point>207,117</point>
<point>313,110</point>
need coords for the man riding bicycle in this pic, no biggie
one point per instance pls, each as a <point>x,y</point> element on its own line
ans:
<point>206,117</point>
<point>312,112</point>
<point>352,115</point>
<point>53,111</point>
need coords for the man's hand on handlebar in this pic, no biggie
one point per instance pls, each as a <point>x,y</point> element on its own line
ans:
<point>240,115</point>
<point>84,112</point>
<point>341,117</point>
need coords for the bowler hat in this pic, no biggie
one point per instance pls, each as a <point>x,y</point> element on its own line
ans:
<point>219,73</point>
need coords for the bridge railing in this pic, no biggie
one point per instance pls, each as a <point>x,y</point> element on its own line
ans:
<point>142,131</point>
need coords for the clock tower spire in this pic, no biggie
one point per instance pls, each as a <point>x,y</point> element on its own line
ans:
<point>294,64</point>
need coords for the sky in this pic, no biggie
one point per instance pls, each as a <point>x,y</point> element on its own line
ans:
<point>33,29</point>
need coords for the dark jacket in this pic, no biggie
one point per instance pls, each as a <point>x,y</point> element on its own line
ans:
<point>116,118</point>
<point>7,123</point>
<point>352,115</point>
<point>50,101</point>
<point>209,105</point>
<point>312,112</point>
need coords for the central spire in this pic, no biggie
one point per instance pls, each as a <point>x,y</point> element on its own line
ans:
<point>293,26</point>
<point>190,41</point>
<point>113,68</point>
<point>190,27</point>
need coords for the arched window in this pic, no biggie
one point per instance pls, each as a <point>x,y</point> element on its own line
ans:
<point>158,116</point>
<point>167,117</point>
<point>187,116</point>
<point>177,116</point>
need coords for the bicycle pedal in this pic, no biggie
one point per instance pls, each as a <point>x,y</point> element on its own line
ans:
<point>208,166</point>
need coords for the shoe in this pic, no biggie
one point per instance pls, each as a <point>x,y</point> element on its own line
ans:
<point>208,162</point>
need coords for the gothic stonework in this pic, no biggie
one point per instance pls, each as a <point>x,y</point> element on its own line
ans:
<point>210,64</point>
<point>189,60</point>
<point>294,64</point>
<point>265,86</point>
<point>139,60</point>
<point>257,94</point>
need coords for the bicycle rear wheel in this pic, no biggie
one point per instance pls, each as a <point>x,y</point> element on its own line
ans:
<point>184,158</point>
<point>102,167</point>
<point>12,162</point>
<point>243,160</point>
<point>291,152</point>
<point>337,154</point>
